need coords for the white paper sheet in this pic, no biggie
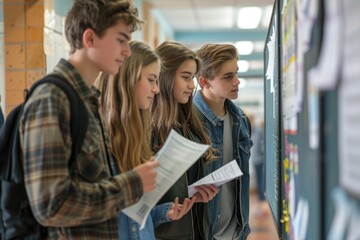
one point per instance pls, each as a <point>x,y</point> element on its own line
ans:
<point>349,100</point>
<point>175,157</point>
<point>324,76</point>
<point>292,193</point>
<point>299,88</point>
<point>288,27</point>
<point>307,15</point>
<point>343,208</point>
<point>354,230</point>
<point>301,219</point>
<point>223,175</point>
<point>271,45</point>
<point>272,65</point>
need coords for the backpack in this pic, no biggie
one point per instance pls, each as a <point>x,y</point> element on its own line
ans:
<point>16,218</point>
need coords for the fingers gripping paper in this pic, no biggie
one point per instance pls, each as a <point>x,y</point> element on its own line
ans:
<point>176,156</point>
<point>223,175</point>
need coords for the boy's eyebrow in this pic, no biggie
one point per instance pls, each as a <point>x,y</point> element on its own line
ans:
<point>228,73</point>
<point>125,35</point>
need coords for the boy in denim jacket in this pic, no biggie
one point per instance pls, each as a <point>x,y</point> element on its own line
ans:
<point>229,132</point>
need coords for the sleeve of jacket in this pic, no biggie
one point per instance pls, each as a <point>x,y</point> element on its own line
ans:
<point>159,214</point>
<point>58,198</point>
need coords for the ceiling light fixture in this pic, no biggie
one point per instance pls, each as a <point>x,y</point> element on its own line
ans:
<point>244,47</point>
<point>249,17</point>
<point>243,65</point>
<point>242,82</point>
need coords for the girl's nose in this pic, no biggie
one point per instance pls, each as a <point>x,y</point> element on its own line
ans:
<point>191,85</point>
<point>156,89</point>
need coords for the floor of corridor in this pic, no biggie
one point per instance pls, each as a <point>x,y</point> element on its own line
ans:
<point>262,226</point>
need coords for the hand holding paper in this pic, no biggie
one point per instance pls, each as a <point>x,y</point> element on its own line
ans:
<point>175,158</point>
<point>147,173</point>
<point>224,174</point>
<point>205,193</point>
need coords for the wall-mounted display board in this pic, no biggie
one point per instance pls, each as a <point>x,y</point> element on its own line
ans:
<point>272,117</point>
<point>316,80</point>
<point>301,162</point>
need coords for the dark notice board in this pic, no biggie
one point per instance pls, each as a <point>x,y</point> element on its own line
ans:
<point>272,117</point>
<point>309,181</point>
<point>318,167</point>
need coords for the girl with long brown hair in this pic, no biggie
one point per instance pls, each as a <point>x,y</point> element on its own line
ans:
<point>172,109</point>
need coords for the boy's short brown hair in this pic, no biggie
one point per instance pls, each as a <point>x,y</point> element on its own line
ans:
<point>213,56</point>
<point>98,15</point>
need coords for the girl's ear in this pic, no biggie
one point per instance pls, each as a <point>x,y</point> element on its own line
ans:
<point>204,82</point>
<point>88,38</point>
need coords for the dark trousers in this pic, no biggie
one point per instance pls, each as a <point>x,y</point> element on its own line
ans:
<point>259,168</point>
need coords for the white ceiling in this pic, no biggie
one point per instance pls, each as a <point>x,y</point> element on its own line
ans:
<point>195,22</point>
<point>204,14</point>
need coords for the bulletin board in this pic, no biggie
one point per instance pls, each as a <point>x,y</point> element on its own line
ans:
<point>302,170</point>
<point>272,117</point>
<point>312,119</point>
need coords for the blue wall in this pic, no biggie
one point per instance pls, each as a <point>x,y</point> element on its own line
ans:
<point>62,6</point>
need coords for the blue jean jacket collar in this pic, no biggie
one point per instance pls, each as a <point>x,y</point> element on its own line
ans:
<point>200,103</point>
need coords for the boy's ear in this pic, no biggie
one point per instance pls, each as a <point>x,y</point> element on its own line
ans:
<point>88,38</point>
<point>204,82</point>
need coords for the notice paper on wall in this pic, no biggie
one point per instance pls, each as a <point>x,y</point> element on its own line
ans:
<point>343,209</point>
<point>349,100</point>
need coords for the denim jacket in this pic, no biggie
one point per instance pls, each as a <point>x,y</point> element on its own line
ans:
<point>130,230</point>
<point>241,152</point>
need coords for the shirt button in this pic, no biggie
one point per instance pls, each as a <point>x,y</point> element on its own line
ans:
<point>218,216</point>
<point>133,228</point>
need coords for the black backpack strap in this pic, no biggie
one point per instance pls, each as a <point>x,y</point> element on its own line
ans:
<point>79,114</point>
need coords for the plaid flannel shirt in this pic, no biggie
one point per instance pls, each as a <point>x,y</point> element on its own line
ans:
<point>85,204</point>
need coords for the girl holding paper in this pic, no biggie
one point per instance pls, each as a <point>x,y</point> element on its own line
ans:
<point>172,109</point>
<point>125,104</point>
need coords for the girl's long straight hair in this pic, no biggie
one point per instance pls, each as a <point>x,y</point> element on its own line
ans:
<point>129,127</point>
<point>167,112</point>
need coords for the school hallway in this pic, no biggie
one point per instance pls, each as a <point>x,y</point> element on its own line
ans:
<point>262,225</point>
<point>261,222</point>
